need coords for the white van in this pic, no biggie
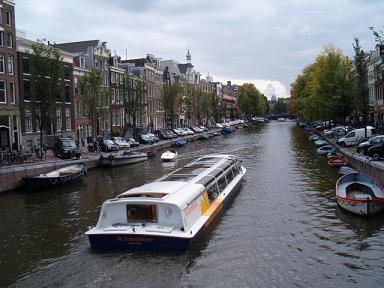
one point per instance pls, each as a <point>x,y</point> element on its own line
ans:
<point>355,136</point>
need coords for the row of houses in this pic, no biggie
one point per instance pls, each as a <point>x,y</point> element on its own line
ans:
<point>19,130</point>
<point>375,69</point>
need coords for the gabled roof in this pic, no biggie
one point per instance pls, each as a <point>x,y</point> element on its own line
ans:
<point>183,67</point>
<point>76,47</point>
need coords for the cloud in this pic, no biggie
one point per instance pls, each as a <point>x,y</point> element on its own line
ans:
<point>261,39</point>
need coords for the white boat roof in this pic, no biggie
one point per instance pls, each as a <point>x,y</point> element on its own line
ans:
<point>184,184</point>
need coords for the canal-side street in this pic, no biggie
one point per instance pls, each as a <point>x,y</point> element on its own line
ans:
<point>284,229</point>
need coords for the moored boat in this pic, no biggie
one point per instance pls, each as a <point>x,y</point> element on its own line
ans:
<point>122,158</point>
<point>360,194</point>
<point>169,155</point>
<point>63,175</point>
<point>180,143</point>
<point>320,143</point>
<point>324,150</point>
<point>227,130</point>
<point>337,161</point>
<point>346,170</point>
<point>314,137</point>
<point>174,211</point>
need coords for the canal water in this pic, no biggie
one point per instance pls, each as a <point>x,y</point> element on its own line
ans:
<point>283,229</point>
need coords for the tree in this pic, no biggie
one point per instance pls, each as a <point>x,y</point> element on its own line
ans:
<point>324,90</point>
<point>360,83</point>
<point>171,98</point>
<point>134,100</point>
<point>379,35</point>
<point>94,97</point>
<point>45,85</point>
<point>251,101</point>
<point>280,107</point>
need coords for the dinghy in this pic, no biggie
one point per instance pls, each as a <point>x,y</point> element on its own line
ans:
<point>360,194</point>
<point>169,155</point>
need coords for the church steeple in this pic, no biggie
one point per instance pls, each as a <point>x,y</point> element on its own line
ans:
<point>188,57</point>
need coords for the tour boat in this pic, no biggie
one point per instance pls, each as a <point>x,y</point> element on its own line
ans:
<point>174,211</point>
<point>360,194</point>
<point>169,155</point>
<point>122,158</point>
<point>64,175</point>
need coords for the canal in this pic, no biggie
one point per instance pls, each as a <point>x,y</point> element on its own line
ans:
<point>283,229</point>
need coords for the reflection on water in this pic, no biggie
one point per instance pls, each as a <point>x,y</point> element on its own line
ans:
<point>284,228</point>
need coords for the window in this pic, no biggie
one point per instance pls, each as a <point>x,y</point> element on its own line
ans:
<point>8,16</point>
<point>9,40</point>
<point>121,78</point>
<point>26,67</point>
<point>2,67</point>
<point>12,94</point>
<point>68,118</point>
<point>37,119</point>
<point>1,38</point>
<point>113,77</point>
<point>113,96</point>
<point>82,62</point>
<point>212,192</point>
<point>1,16</point>
<point>10,64</point>
<point>3,98</point>
<point>27,90</point>
<point>142,213</point>
<point>66,72</point>
<point>229,175</point>
<point>59,123</point>
<point>222,183</point>
<point>28,121</point>
<point>66,94</point>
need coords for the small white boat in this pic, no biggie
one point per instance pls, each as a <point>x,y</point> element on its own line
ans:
<point>122,158</point>
<point>360,194</point>
<point>169,155</point>
<point>281,119</point>
<point>173,212</point>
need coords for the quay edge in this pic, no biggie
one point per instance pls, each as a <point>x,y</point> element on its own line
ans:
<point>11,177</point>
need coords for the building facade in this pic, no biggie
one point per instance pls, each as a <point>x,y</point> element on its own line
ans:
<point>10,124</point>
<point>63,124</point>
<point>92,54</point>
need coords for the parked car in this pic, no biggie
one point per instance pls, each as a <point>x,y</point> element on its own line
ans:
<point>120,141</point>
<point>179,132</point>
<point>196,129</point>
<point>145,139</point>
<point>353,137</point>
<point>364,146</point>
<point>132,142</point>
<point>108,145</point>
<point>171,133</point>
<point>154,137</point>
<point>376,152</point>
<point>162,134</point>
<point>65,148</point>
<point>203,128</point>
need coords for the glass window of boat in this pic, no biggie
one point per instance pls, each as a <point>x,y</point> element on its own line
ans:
<point>141,213</point>
<point>180,177</point>
<point>216,172</point>
<point>213,192</point>
<point>222,183</point>
<point>229,175</point>
<point>206,180</point>
<point>210,159</point>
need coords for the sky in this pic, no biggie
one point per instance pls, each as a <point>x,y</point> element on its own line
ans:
<point>265,42</point>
